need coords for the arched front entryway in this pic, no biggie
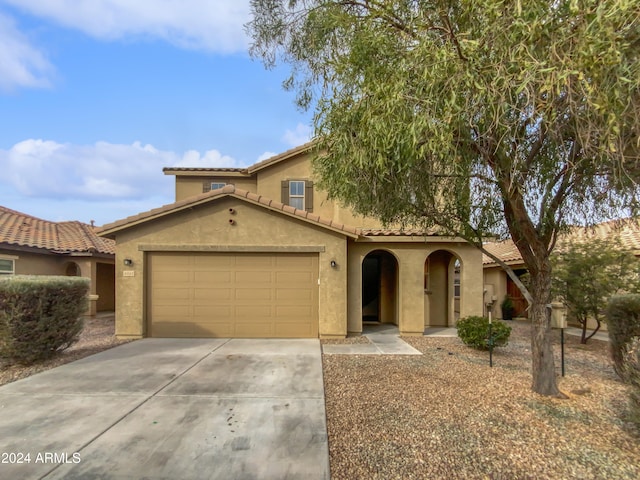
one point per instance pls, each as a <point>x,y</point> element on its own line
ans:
<point>442,288</point>
<point>380,287</point>
<point>72,269</point>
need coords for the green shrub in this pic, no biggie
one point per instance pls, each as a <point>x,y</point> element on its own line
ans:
<point>623,321</point>
<point>474,331</point>
<point>631,361</point>
<point>40,315</point>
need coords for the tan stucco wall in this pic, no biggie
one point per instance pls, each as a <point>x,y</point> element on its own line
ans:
<point>187,186</point>
<point>35,264</point>
<point>29,263</point>
<point>208,226</point>
<point>411,295</point>
<point>497,277</point>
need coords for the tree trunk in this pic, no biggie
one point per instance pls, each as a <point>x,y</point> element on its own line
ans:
<point>543,364</point>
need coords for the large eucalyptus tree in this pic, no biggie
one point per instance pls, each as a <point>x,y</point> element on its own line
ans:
<point>480,117</point>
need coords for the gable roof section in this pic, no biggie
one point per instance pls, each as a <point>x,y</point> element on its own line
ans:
<point>242,172</point>
<point>20,229</point>
<point>627,230</point>
<point>110,229</point>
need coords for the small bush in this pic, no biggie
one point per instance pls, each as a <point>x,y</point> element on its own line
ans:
<point>623,321</point>
<point>40,315</point>
<point>631,365</point>
<point>474,331</point>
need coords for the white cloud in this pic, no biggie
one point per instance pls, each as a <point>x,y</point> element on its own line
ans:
<point>47,169</point>
<point>266,155</point>
<point>212,25</point>
<point>299,136</point>
<point>21,65</point>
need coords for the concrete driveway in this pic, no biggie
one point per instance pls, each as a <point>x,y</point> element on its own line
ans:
<point>171,409</point>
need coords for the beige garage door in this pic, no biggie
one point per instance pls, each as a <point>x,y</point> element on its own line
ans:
<point>232,295</point>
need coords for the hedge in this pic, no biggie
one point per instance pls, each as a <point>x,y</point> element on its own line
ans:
<point>474,331</point>
<point>623,323</point>
<point>40,315</point>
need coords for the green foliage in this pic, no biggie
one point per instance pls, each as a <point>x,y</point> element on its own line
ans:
<point>623,322</point>
<point>586,274</point>
<point>479,117</point>
<point>631,364</point>
<point>40,315</point>
<point>474,332</point>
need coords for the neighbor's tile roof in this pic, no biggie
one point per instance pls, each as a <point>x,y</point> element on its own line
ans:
<point>627,230</point>
<point>227,190</point>
<point>24,230</point>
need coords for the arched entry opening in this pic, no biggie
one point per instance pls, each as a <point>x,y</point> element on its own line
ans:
<point>380,288</point>
<point>442,288</point>
<point>72,269</point>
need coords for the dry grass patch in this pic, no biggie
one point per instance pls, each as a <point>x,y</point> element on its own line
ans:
<point>446,414</point>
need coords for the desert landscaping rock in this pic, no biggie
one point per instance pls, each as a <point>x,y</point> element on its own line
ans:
<point>448,416</point>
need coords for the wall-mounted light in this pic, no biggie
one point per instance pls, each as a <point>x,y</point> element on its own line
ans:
<point>232,221</point>
<point>334,264</point>
<point>128,262</point>
<point>232,211</point>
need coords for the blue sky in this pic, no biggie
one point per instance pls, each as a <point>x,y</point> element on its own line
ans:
<point>98,95</point>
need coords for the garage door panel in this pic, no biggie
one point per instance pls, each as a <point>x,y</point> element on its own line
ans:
<point>172,329</point>
<point>253,294</point>
<point>253,261</point>
<point>171,277</point>
<point>253,277</point>
<point>253,329</point>
<point>212,277</point>
<point>168,296</point>
<point>212,295</point>
<point>294,278</point>
<point>296,295</point>
<point>295,311</point>
<point>252,311</point>
<point>232,295</point>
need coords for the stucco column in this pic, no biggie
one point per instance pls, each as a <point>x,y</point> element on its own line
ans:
<point>88,270</point>
<point>354,295</point>
<point>411,291</point>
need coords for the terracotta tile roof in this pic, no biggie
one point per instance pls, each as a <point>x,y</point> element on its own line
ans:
<point>506,251</point>
<point>248,170</point>
<point>395,232</point>
<point>627,230</point>
<point>24,230</point>
<point>203,169</point>
<point>228,190</point>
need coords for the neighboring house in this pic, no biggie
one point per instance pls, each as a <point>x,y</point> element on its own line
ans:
<point>262,252</point>
<point>30,245</point>
<point>497,281</point>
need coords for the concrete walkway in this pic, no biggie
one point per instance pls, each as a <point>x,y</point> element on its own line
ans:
<point>172,409</point>
<point>384,340</point>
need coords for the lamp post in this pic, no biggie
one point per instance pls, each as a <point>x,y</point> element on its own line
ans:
<point>490,339</point>
<point>559,320</point>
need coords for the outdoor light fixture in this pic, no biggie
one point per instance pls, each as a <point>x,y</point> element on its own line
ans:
<point>128,262</point>
<point>333,264</point>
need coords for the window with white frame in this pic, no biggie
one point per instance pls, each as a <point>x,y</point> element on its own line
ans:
<point>296,194</point>
<point>7,266</point>
<point>217,185</point>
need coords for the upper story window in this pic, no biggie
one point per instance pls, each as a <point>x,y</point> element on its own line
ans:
<point>7,266</point>
<point>298,194</point>
<point>208,185</point>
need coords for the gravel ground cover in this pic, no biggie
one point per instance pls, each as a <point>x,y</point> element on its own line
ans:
<point>97,335</point>
<point>447,415</point>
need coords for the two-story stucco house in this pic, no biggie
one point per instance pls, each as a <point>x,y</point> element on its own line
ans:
<point>262,252</point>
